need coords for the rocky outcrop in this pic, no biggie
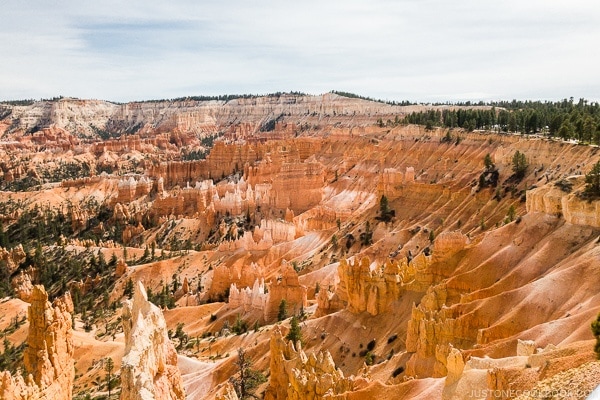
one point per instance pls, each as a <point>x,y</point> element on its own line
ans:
<point>367,287</point>
<point>227,393</point>
<point>130,189</point>
<point>296,376</point>
<point>288,287</point>
<point>328,302</point>
<point>13,257</point>
<point>87,117</point>
<point>254,298</point>
<point>149,367</point>
<point>22,286</point>
<point>551,200</point>
<point>259,298</point>
<point>48,357</point>
<point>239,274</point>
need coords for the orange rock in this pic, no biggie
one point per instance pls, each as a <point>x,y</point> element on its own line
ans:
<point>48,356</point>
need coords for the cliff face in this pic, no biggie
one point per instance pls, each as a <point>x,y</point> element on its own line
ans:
<point>549,199</point>
<point>85,117</point>
<point>48,357</point>
<point>149,366</point>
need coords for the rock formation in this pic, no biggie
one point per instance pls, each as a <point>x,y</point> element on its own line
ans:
<point>551,200</point>
<point>367,287</point>
<point>296,376</point>
<point>48,357</point>
<point>149,366</point>
<point>22,286</point>
<point>259,298</point>
<point>13,257</point>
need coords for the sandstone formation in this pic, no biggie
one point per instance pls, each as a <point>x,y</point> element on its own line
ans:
<point>551,200</point>
<point>446,292</point>
<point>267,299</point>
<point>13,257</point>
<point>23,286</point>
<point>48,357</point>
<point>149,366</point>
<point>296,376</point>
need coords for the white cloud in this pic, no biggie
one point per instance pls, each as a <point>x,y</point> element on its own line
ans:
<point>426,50</point>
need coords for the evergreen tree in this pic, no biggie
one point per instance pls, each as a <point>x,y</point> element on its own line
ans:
<point>592,181</point>
<point>108,367</point>
<point>295,333</point>
<point>282,310</point>
<point>487,161</point>
<point>128,291</point>
<point>247,379</point>
<point>519,164</point>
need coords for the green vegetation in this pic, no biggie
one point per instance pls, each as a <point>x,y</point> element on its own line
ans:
<point>565,119</point>
<point>487,162</point>
<point>247,379</point>
<point>596,333</point>
<point>356,96</point>
<point>592,182</point>
<point>511,214</point>
<point>239,326</point>
<point>519,165</point>
<point>163,299</point>
<point>109,366</point>
<point>282,314</point>
<point>366,237</point>
<point>385,213</point>
<point>295,333</point>
<point>12,356</point>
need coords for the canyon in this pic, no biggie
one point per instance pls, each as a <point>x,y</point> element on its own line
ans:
<point>410,277</point>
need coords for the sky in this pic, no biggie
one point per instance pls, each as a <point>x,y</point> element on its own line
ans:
<point>417,50</point>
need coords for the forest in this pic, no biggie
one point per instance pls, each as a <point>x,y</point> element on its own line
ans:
<point>565,119</point>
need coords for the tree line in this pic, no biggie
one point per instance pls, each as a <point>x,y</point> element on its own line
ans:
<point>565,119</point>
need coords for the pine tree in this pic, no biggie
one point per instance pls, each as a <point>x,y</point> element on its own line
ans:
<point>295,333</point>
<point>519,164</point>
<point>128,291</point>
<point>282,310</point>
<point>108,367</point>
<point>592,181</point>
<point>487,161</point>
<point>247,379</point>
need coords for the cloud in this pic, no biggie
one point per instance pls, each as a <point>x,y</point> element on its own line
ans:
<point>426,50</point>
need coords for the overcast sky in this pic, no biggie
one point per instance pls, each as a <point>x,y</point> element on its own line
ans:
<point>419,50</point>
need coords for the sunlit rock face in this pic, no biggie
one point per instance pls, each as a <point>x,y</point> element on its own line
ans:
<point>48,357</point>
<point>149,366</point>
